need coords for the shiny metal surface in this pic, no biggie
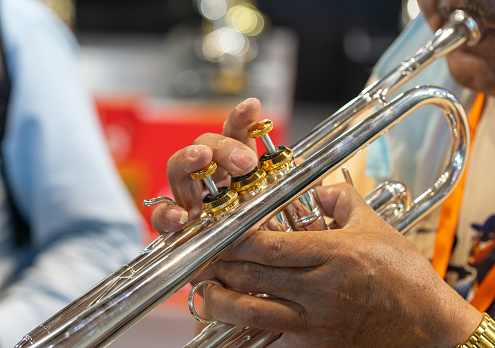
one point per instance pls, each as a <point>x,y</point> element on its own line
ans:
<point>304,213</point>
<point>104,312</point>
<point>460,30</point>
<point>221,335</point>
<point>389,199</point>
<point>248,187</point>
<point>106,319</point>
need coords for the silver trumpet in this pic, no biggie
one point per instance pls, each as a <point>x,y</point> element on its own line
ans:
<point>104,312</point>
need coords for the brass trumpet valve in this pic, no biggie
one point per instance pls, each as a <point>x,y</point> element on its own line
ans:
<point>219,201</point>
<point>276,160</point>
<point>248,183</point>
<point>205,175</point>
<point>261,130</point>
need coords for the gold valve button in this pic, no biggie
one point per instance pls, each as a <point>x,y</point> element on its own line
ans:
<point>243,184</point>
<point>261,128</point>
<point>282,160</point>
<point>222,203</point>
<point>204,172</point>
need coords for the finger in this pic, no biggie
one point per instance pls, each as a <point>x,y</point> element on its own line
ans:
<point>188,192</point>
<point>289,339</point>
<point>168,218</point>
<point>282,249</point>
<point>242,309</point>
<point>344,204</point>
<point>229,154</point>
<point>240,119</point>
<point>286,283</point>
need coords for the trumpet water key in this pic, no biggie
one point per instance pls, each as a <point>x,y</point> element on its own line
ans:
<point>304,213</point>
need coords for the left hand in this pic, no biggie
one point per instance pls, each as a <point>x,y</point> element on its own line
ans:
<point>233,151</point>
<point>364,285</point>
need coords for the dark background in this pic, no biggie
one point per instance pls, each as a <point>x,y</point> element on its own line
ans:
<point>326,73</point>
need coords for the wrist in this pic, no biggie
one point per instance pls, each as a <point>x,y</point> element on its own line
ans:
<point>454,321</point>
<point>483,336</point>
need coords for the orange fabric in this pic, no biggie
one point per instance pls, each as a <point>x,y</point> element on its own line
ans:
<point>449,213</point>
<point>485,295</point>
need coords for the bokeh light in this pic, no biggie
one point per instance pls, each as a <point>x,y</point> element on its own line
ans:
<point>246,20</point>
<point>213,9</point>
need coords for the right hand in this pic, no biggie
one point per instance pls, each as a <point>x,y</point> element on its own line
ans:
<point>362,285</point>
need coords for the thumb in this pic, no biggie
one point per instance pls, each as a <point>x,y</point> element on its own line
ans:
<point>168,218</point>
<point>341,202</point>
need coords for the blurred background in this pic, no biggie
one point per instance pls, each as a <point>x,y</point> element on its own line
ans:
<point>163,72</point>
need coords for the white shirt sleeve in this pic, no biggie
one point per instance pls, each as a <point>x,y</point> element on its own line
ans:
<point>83,223</point>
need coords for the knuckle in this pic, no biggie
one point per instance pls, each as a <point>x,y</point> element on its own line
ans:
<point>254,313</point>
<point>158,218</point>
<point>300,319</point>
<point>273,249</point>
<point>253,276</point>
<point>202,138</point>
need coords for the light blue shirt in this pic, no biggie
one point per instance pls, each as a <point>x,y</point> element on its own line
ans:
<point>83,222</point>
<point>414,150</point>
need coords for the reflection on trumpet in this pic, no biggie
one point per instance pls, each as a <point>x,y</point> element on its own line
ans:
<point>304,213</point>
<point>251,184</point>
<point>388,199</point>
<point>325,148</point>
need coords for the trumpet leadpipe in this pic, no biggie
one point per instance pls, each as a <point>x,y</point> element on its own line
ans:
<point>461,29</point>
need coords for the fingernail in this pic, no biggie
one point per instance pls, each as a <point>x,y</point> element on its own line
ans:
<point>194,150</point>
<point>243,159</point>
<point>244,104</point>
<point>177,215</point>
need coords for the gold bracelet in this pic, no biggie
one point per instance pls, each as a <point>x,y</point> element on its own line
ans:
<point>484,336</point>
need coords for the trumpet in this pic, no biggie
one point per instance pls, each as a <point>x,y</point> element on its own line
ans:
<point>104,312</point>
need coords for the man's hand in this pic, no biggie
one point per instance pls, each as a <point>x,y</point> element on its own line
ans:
<point>233,151</point>
<point>363,285</point>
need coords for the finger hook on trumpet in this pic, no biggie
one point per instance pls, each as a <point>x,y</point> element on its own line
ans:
<point>158,200</point>
<point>327,146</point>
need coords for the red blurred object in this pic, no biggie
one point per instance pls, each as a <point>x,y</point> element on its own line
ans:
<point>143,135</point>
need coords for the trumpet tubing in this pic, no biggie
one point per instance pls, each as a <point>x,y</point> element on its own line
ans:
<point>168,264</point>
<point>389,200</point>
<point>303,212</point>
